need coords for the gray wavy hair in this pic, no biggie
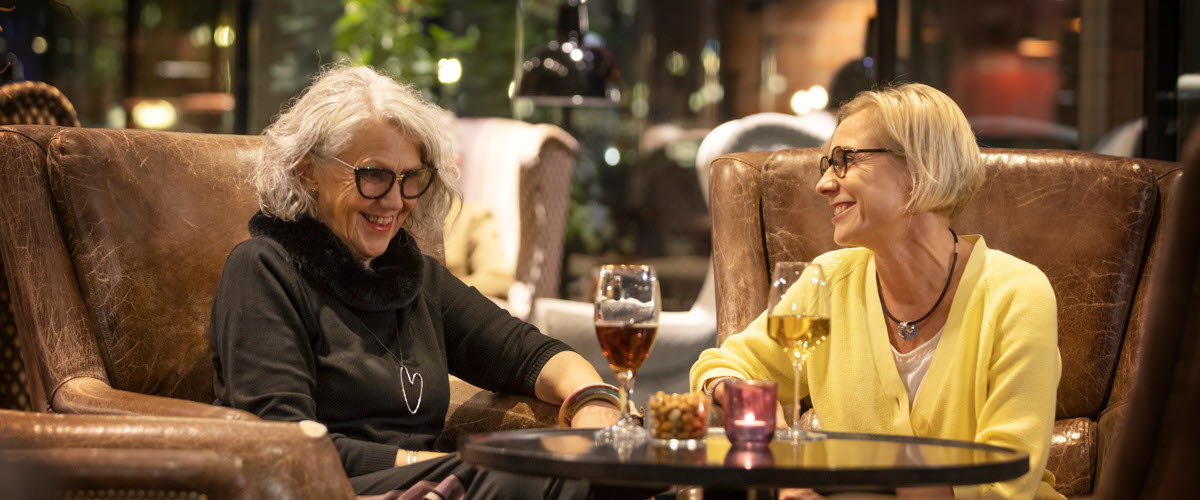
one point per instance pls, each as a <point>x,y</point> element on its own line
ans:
<point>321,120</point>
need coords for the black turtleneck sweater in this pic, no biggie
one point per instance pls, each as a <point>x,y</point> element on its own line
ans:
<point>301,330</point>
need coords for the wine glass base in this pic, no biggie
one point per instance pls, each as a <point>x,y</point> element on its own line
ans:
<point>622,435</point>
<point>799,435</point>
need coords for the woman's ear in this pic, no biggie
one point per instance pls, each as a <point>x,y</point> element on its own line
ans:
<point>305,171</point>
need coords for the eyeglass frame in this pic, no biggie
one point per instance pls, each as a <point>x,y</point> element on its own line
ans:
<point>829,161</point>
<point>396,179</point>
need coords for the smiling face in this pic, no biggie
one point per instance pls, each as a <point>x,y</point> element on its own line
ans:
<point>869,203</point>
<point>365,226</point>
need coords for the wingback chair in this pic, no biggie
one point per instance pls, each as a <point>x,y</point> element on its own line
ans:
<point>30,103</point>
<point>1088,221</point>
<point>114,241</point>
<point>521,172</point>
<point>1156,456</point>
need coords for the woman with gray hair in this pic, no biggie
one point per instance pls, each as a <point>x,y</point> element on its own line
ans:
<point>330,312</point>
<point>933,334</point>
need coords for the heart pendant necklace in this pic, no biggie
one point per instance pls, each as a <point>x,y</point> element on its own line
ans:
<point>407,377</point>
<point>907,330</point>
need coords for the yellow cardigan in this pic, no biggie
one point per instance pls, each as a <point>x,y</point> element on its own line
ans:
<point>993,378</point>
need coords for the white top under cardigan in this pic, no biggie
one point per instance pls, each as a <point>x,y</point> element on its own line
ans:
<point>912,365</point>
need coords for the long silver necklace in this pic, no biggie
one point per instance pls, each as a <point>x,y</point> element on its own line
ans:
<point>407,377</point>
<point>907,330</point>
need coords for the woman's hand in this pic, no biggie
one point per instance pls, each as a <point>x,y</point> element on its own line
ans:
<point>403,458</point>
<point>595,414</point>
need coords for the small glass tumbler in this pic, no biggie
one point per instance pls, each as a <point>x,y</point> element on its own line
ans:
<point>750,411</point>
<point>679,420</point>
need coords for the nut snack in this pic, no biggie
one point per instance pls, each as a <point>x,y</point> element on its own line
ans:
<point>679,416</point>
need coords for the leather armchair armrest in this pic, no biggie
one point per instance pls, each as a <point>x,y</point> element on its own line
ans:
<point>278,460</point>
<point>93,396</point>
<point>474,410</point>
<point>67,471</point>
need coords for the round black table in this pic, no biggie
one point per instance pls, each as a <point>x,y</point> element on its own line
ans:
<point>842,461</point>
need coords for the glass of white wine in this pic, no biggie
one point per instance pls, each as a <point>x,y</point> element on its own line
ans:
<point>798,320</point>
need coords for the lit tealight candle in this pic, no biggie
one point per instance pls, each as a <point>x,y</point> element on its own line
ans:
<point>749,420</point>
<point>745,401</point>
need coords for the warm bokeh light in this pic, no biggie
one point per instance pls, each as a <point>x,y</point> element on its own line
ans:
<point>612,157</point>
<point>818,97</point>
<point>39,45</point>
<point>223,36</point>
<point>1035,48</point>
<point>677,64</point>
<point>200,35</point>
<point>449,70</point>
<point>154,114</point>
<point>809,100</point>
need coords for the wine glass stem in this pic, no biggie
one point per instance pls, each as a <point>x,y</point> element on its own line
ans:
<point>625,383</point>
<point>797,368</point>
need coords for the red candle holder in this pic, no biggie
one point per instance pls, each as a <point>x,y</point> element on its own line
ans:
<point>750,411</point>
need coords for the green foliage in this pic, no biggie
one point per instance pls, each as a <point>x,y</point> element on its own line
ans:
<point>397,37</point>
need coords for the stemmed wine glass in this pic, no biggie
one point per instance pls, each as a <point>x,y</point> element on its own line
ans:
<point>627,309</point>
<point>798,320</point>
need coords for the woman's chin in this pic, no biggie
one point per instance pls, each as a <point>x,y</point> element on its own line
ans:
<point>844,237</point>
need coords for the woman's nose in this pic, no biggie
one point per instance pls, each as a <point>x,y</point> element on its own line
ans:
<point>827,184</point>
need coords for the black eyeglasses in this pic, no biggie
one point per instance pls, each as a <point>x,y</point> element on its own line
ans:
<point>374,182</point>
<point>839,157</point>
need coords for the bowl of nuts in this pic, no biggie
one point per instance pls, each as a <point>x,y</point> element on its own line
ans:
<point>678,417</point>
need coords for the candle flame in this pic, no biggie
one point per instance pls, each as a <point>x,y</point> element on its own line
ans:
<point>749,419</point>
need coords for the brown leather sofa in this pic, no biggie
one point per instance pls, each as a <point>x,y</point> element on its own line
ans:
<point>1090,222</point>
<point>114,241</point>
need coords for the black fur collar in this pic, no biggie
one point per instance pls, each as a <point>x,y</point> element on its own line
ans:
<point>391,282</point>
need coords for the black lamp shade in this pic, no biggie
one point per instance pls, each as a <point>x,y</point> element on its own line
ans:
<point>566,72</point>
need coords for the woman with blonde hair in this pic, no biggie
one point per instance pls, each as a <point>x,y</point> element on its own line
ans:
<point>330,312</point>
<point>933,333</point>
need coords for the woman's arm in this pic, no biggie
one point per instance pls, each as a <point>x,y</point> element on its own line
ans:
<point>749,354</point>
<point>562,375</point>
<point>1023,376</point>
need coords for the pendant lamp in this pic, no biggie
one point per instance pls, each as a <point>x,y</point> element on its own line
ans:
<point>566,71</point>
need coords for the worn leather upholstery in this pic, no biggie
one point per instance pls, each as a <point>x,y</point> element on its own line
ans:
<point>24,103</point>
<point>1154,456</point>
<point>214,457</point>
<point>1088,221</point>
<point>114,241</point>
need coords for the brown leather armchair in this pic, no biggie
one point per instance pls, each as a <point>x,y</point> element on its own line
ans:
<point>114,241</point>
<point>1156,454</point>
<point>1090,222</point>
<point>24,103</point>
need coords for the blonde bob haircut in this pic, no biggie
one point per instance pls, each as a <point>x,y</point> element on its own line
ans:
<point>928,130</point>
<point>319,123</point>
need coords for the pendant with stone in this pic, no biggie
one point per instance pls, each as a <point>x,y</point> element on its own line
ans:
<point>906,330</point>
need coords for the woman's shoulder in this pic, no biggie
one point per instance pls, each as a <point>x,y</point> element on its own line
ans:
<point>258,249</point>
<point>837,264</point>
<point>260,257</point>
<point>1004,272</point>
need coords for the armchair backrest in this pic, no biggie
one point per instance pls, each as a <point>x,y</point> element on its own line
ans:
<point>1155,455</point>
<point>115,240</point>
<point>522,173</point>
<point>28,103</point>
<point>1085,220</point>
